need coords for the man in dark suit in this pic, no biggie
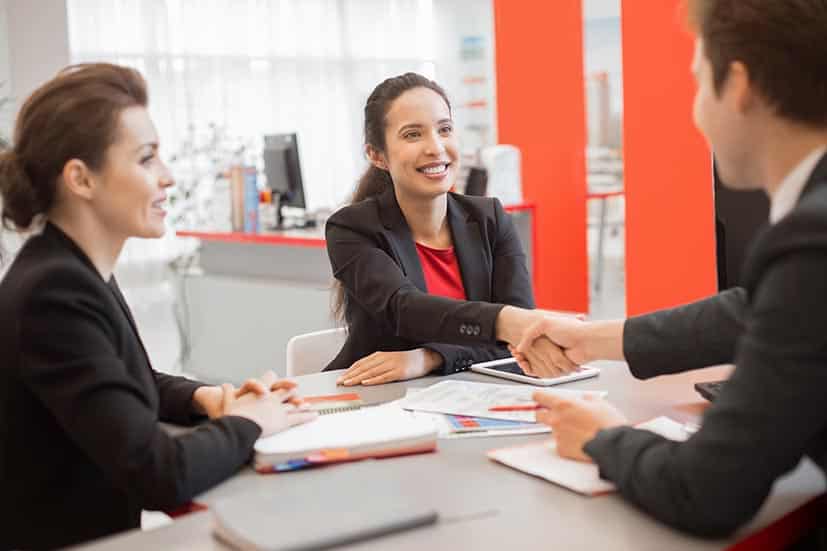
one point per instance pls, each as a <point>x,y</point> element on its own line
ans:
<point>761,102</point>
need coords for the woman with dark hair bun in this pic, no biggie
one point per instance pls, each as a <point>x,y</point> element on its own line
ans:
<point>81,444</point>
<point>427,280</point>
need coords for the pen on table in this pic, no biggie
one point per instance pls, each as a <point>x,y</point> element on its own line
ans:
<point>516,407</point>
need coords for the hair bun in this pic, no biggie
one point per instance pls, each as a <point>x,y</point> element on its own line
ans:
<point>19,199</point>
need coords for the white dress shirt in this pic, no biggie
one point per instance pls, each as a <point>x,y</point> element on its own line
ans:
<point>786,196</point>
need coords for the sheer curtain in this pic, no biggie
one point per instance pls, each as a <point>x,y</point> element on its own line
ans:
<point>263,66</point>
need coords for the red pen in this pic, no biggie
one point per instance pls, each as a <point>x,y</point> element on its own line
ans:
<point>516,407</point>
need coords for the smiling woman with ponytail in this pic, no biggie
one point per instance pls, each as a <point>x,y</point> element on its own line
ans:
<point>422,273</point>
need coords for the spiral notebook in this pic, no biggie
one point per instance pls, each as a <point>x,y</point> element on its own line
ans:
<point>334,403</point>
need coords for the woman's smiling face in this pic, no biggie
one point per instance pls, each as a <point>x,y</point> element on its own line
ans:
<point>421,151</point>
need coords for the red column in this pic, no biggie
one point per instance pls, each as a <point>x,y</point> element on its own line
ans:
<point>541,110</point>
<point>670,228</point>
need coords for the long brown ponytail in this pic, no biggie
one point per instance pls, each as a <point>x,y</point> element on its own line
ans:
<point>374,181</point>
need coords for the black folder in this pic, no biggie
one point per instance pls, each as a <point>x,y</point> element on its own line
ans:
<point>277,523</point>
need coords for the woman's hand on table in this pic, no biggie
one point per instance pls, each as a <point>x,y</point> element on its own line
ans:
<point>386,367</point>
<point>271,403</point>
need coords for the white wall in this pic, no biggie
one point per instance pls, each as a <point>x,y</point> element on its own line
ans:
<point>601,9</point>
<point>8,242</point>
<point>34,45</point>
<point>38,42</point>
<point>33,50</point>
<point>7,112</point>
<point>456,20</point>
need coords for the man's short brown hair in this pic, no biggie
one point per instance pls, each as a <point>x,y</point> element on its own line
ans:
<point>783,44</point>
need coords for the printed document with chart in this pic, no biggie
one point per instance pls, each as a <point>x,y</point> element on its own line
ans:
<point>476,399</point>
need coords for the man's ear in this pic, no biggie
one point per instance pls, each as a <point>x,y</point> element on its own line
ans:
<point>740,87</point>
<point>376,157</point>
<point>78,179</point>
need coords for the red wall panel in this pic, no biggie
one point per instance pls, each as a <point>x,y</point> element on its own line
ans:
<point>670,229</point>
<point>541,110</point>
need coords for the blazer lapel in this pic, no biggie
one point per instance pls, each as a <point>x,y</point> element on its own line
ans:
<point>113,285</point>
<point>400,239</point>
<point>474,264</point>
<point>55,232</point>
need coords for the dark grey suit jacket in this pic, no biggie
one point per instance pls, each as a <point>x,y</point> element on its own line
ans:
<point>387,306</point>
<point>81,447</point>
<point>771,412</point>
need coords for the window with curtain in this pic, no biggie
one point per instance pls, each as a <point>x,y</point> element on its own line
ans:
<point>254,67</point>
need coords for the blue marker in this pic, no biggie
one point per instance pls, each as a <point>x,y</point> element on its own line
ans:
<point>291,465</point>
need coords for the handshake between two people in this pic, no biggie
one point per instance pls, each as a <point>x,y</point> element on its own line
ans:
<point>545,345</point>
<point>270,403</point>
<point>548,345</point>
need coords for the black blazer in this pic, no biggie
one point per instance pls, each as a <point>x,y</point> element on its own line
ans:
<point>387,306</point>
<point>772,410</point>
<point>81,447</point>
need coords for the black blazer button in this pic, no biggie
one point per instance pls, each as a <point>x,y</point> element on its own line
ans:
<point>476,330</point>
<point>462,329</point>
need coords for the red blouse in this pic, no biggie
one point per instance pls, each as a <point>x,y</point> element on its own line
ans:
<point>441,269</point>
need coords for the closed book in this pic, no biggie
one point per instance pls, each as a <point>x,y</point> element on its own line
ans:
<point>274,522</point>
<point>380,431</point>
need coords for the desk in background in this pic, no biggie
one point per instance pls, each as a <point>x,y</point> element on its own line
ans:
<point>253,292</point>
<point>486,506</point>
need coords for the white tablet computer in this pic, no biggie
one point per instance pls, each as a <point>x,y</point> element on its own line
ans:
<point>507,368</point>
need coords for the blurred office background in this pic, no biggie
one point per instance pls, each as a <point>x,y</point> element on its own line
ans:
<point>224,73</point>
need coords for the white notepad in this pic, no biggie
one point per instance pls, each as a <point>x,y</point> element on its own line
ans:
<point>374,430</point>
<point>542,460</point>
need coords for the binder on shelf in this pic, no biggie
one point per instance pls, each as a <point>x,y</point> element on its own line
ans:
<point>237,197</point>
<point>244,198</point>
<point>251,199</point>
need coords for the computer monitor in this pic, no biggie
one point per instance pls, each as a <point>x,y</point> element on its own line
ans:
<point>283,170</point>
<point>477,181</point>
